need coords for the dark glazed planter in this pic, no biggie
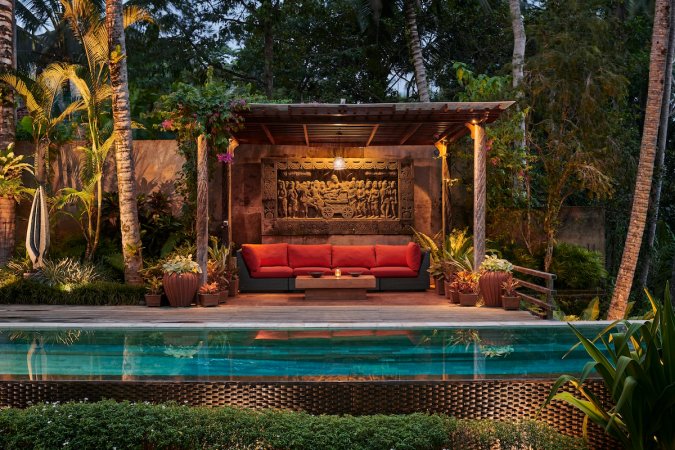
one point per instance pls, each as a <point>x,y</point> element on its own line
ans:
<point>438,286</point>
<point>181,288</point>
<point>455,297</point>
<point>491,287</point>
<point>153,300</point>
<point>234,287</point>
<point>448,290</point>
<point>222,296</point>
<point>511,303</point>
<point>468,299</point>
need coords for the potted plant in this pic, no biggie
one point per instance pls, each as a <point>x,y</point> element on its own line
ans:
<point>493,272</point>
<point>209,294</point>
<point>181,280</point>
<point>11,190</point>
<point>216,274</point>
<point>153,296</point>
<point>234,285</point>
<point>467,285</point>
<point>449,270</point>
<point>510,298</point>
<point>454,289</point>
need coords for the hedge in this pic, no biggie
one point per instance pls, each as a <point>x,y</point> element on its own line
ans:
<point>17,290</point>
<point>111,425</point>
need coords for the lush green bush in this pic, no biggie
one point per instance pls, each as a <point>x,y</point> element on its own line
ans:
<point>577,267</point>
<point>133,426</point>
<point>15,289</point>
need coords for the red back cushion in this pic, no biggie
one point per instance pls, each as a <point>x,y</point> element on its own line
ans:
<point>414,256</point>
<point>264,255</point>
<point>354,256</point>
<point>309,255</point>
<point>391,255</point>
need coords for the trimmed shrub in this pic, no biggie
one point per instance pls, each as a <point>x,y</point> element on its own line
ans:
<point>577,267</point>
<point>135,426</point>
<point>16,290</point>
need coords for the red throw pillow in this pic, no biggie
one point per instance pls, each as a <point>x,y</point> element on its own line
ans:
<point>309,255</point>
<point>391,255</point>
<point>354,256</point>
<point>251,258</point>
<point>414,256</point>
<point>265,255</point>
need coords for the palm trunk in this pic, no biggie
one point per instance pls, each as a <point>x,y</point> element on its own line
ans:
<point>416,50</point>
<point>126,177</point>
<point>202,205</point>
<point>40,162</point>
<point>517,72</point>
<point>643,182</point>
<point>7,64</point>
<point>655,199</point>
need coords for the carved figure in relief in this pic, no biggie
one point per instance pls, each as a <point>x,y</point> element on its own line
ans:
<point>374,200</point>
<point>393,198</point>
<point>361,199</point>
<point>282,195</point>
<point>385,200</point>
<point>292,199</point>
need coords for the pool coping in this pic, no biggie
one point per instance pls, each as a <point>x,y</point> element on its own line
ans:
<point>293,325</point>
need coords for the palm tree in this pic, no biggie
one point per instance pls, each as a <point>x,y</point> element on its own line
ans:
<point>416,49</point>
<point>643,183</point>
<point>126,179</point>
<point>7,64</point>
<point>39,95</point>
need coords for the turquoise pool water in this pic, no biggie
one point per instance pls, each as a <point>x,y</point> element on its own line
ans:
<point>322,354</point>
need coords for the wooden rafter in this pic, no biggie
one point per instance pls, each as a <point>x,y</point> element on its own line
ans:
<point>304,128</point>
<point>267,133</point>
<point>372,134</point>
<point>409,134</point>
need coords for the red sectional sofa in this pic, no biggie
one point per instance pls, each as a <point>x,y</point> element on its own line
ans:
<point>273,267</point>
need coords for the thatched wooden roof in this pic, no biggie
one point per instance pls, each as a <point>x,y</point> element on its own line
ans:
<point>373,124</point>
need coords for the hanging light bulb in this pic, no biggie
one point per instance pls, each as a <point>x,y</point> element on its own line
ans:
<point>339,163</point>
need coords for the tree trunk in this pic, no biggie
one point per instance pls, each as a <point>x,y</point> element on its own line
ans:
<point>269,60</point>
<point>659,168</point>
<point>517,72</point>
<point>7,113</point>
<point>202,206</point>
<point>643,182</point>
<point>126,177</point>
<point>40,162</point>
<point>416,50</point>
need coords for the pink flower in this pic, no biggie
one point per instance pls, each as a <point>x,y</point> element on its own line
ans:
<point>225,158</point>
<point>494,161</point>
<point>489,143</point>
<point>167,124</point>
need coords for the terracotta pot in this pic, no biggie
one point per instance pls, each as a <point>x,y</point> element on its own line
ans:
<point>209,299</point>
<point>468,299</point>
<point>7,228</point>
<point>180,288</point>
<point>491,287</point>
<point>511,303</point>
<point>448,291</point>
<point>455,297</point>
<point>153,300</point>
<point>234,287</point>
<point>222,296</point>
<point>438,286</point>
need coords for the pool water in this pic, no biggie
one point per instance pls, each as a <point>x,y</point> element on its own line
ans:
<point>294,354</point>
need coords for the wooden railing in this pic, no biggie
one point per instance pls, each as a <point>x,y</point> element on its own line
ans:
<point>547,290</point>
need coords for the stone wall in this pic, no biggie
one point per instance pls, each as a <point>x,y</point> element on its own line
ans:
<point>247,190</point>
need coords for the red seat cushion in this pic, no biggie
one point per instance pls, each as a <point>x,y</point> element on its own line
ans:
<point>391,255</point>
<point>306,270</point>
<point>414,256</point>
<point>393,272</point>
<point>273,272</point>
<point>264,255</point>
<point>353,256</point>
<point>309,255</point>
<point>345,270</point>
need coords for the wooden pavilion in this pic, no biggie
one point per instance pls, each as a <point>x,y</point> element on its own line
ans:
<point>379,124</point>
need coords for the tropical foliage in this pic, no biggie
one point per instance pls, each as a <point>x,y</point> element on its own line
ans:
<point>636,361</point>
<point>12,167</point>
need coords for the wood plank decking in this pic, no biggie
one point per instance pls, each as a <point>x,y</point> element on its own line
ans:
<point>391,309</point>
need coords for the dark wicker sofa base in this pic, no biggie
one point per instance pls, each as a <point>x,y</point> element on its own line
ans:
<point>493,399</point>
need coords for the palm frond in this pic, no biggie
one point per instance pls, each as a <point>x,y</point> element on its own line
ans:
<point>134,14</point>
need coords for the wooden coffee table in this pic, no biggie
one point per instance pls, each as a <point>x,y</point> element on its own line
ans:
<point>330,287</point>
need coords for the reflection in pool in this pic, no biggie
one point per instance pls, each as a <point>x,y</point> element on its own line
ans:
<point>316,354</point>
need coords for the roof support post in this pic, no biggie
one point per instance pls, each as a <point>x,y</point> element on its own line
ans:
<point>202,230</point>
<point>445,180</point>
<point>233,144</point>
<point>479,191</point>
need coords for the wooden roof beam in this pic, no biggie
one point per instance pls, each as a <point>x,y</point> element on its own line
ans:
<point>409,134</point>
<point>372,134</point>
<point>304,128</point>
<point>268,134</point>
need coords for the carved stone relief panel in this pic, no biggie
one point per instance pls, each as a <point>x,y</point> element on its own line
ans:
<point>306,196</point>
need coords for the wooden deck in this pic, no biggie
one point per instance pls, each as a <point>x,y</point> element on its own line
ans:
<point>391,309</point>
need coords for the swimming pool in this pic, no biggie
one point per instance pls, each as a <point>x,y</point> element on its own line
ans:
<point>208,354</point>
